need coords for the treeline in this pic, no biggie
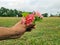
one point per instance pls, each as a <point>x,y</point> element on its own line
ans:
<point>57,15</point>
<point>4,12</point>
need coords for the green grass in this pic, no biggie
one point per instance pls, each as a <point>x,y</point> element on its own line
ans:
<point>47,32</point>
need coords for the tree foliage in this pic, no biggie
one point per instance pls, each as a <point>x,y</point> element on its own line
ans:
<point>45,14</point>
<point>4,12</point>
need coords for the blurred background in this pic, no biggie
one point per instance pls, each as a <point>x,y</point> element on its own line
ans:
<point>12,8</point>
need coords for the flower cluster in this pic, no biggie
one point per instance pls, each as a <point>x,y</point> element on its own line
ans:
<point>32,18</point>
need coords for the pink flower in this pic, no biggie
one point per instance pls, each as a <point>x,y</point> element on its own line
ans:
<point>29,19</point>
<point>39,14</point>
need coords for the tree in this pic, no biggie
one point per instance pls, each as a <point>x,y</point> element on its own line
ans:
<point>51,15</point>
<point>59,15</point>
<point>15,12</point>
<point>19,13</point>
<point>45,14</point>
<point>11,13</point>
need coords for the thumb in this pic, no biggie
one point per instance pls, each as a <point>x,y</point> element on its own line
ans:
<point>22,20</point>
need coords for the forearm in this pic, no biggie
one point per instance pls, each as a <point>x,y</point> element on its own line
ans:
<point>15,31</point>
<point>6,33</point>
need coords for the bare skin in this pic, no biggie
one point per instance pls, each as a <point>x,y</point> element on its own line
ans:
<point>13,32</point>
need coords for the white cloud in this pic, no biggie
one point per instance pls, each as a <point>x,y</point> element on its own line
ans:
<point>30,5</point>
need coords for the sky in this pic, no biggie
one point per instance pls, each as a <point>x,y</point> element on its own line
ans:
<point>43,6</point>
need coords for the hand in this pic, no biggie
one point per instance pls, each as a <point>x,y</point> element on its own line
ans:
<point>28,27</point>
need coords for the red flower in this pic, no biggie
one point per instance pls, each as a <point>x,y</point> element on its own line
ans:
<point>29,19</point>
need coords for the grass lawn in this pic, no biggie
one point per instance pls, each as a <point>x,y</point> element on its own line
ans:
<point>47,32</point>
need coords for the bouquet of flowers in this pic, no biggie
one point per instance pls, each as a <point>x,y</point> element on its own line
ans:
<point>32,18</point>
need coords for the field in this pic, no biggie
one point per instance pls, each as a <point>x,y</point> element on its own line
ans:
<point>47,32</point>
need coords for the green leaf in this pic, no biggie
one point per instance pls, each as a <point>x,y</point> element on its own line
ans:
<point>25,14</point>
